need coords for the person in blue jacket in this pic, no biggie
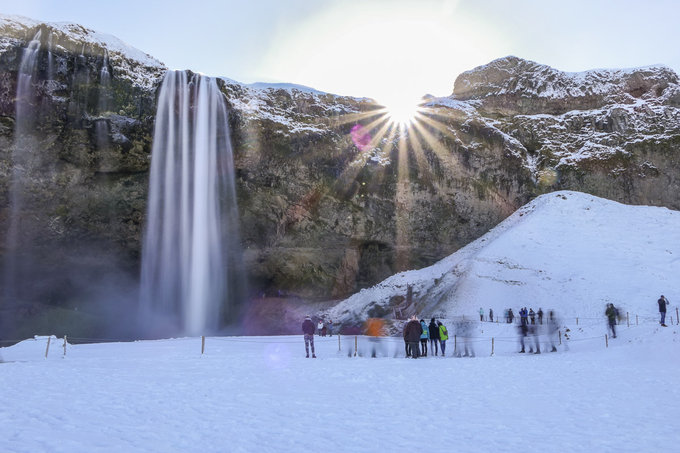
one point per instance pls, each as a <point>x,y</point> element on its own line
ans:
<point>423,338</point>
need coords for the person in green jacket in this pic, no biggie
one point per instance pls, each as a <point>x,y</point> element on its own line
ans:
<point>443,336</point>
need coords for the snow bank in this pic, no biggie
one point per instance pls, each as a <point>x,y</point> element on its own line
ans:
<point>566,250</point>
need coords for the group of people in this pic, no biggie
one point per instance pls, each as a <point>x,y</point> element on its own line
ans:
<point>530,332</point>
<point>417,332</point>
<point>421,339</point>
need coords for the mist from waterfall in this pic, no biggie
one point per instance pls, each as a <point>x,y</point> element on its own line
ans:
<point>191,244</point>
<point>23,153</point>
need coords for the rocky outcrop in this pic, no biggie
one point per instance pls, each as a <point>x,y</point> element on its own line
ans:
<point>333,197</point>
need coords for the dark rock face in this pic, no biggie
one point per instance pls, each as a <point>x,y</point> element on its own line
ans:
<point>83,188</point>
<point>332,196</point>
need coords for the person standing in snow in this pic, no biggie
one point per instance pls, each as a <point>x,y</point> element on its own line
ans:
<point>308,331</point>
<point>522,329</point>
<point>423,338</point>
<point>540,316</point>
<point>532,316</point>
<point>319,327</point>
<point>524,316</point>
<point>433,330</point>
<point>662,309</point>
<point>443,336</point>
<point>611,316</point>
<point>553,327</point>
<point>511,316</point>
<point>329,326</point>
<point>490,314</point>
<point>412,334</point>
<point>406,345</point>
<point>481,314</point>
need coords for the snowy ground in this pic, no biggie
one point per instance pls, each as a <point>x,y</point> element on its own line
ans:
<point>248,394</point>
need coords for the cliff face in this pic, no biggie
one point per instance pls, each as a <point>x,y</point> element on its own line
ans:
<point>73,166</point>
<point>333,197</point>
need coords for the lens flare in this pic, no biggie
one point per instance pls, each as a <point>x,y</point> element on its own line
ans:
<point>361,137</point>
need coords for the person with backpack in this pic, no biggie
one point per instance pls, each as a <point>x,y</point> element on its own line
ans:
<point>308,331</point>
<point>423,338</point>
<point>443,336</point>
<point>434,337</point>
<point>662,309</point>
<point>611,316</point>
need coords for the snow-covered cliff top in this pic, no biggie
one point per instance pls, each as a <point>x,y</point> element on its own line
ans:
<point>130,63</point>
<point>513,75</point>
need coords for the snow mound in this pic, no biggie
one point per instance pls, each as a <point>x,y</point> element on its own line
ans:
<point>567,251</point>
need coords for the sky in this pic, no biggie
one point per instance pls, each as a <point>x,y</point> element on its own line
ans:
<point>381,49</point>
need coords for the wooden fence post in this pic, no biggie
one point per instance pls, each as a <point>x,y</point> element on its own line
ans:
<point>48,345</point>
<point>202,344</point>
<point>338,342</point>
<point>577,321</point>
<point>64,345</point>
<point>606,340</point>
<point>455,344</point>
<point>492,345</point>
<point>356,342</point>
<point>560,332</point>
<point>677,317</point>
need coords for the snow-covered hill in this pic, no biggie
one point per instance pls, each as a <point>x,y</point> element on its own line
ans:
<point>567,251</point>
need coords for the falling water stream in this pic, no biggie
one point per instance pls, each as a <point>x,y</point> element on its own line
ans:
<point>191,215</point>
<point>22,156</point>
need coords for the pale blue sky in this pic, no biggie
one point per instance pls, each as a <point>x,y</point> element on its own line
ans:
<point>377,48</point>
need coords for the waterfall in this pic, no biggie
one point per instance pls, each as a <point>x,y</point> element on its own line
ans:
<point>191,233</point>
<point>22,158</point>
<point>101,125</point>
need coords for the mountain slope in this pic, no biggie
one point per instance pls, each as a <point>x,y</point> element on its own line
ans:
<point>567,250</point>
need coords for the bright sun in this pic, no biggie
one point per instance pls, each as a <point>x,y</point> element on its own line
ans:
<point>402,110</point>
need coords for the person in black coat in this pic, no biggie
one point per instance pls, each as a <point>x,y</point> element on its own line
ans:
<point>412,335</point>
<point>434,336</point>
<point>662,309</point>
<point>308,331</point>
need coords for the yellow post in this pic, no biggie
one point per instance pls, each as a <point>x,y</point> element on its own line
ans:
<point>48,345</point>
<point>202,344</point>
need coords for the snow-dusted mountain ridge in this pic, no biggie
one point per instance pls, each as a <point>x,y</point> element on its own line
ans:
<point>567,251</point>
